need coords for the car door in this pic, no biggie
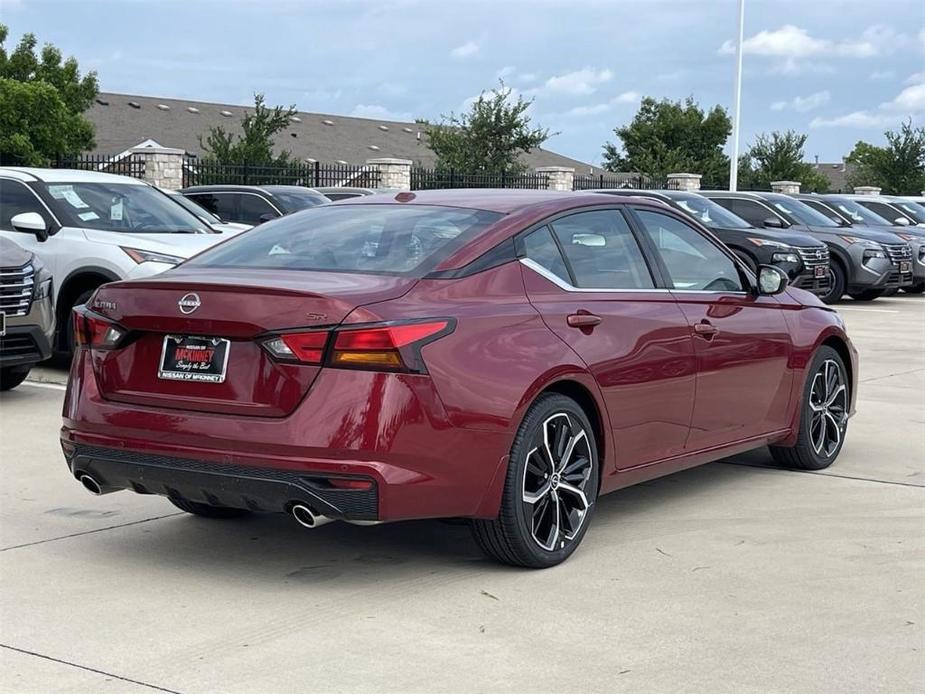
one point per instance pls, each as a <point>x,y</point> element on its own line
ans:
<point>741,339</point>
<point>587,276</point>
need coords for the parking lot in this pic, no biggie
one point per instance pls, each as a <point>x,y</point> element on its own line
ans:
<point>732,577</point>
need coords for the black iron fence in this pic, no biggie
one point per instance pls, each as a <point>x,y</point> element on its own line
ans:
<point>433,179</point>
<point>616,180</point>
<point>311,174</point>
<point>122,166</point>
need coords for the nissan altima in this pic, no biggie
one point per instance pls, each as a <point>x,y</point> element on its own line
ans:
<point>501,356</point>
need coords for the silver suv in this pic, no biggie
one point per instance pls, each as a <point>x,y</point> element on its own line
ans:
<point>27,313</point>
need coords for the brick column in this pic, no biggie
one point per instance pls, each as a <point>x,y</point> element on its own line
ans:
<point>684,181</point>
<point>867,190</point>
<point>560,177</point>
<point>393,173</point>
<point>785,186</point>
<point>163,165</point>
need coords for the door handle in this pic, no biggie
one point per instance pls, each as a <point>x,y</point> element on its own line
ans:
<point>583,319</point>
<point>706,329</point>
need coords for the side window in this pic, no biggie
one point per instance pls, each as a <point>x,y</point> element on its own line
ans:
<point>15,198</point>
<point>693,262</point>
<point>749,210</point>
<point>602,251</point>
<point>884,211</point>
<point>542,250</point>
<point>819,207</point>
<point>251,208</point>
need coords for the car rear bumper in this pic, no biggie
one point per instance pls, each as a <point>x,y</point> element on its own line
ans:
<point>388,429</point>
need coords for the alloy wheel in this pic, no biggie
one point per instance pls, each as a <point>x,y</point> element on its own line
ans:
<point>828,404</point>
<point>556,475</point>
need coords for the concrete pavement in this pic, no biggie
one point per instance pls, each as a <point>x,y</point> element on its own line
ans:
<point>732,577</point>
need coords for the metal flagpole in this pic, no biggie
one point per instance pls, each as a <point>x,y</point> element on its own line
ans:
<point>737,103</point>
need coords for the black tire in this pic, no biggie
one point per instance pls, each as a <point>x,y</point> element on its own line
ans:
<point>69,342</point>
<point>12,376</point>
<point>747,259</point>
<point>806,454</point>
<point>867,295</point>
<point>207,510</point>
<point>511,538</point>
<point>915,288</point>
<point>839,282</point>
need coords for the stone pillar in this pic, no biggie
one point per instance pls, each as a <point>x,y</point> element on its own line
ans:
<point>867,190</point>
<point>560,177</point>
<point>393,173</point>
<point>785,186</point>
<point>163,165</point>
<point>684,181</point>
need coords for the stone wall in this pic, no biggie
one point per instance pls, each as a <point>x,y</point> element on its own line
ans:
<point>163,165</point>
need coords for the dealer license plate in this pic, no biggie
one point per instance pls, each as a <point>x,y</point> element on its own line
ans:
<point>187,358</point>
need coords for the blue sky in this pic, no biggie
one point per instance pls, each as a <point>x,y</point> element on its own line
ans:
<point>840,70</point>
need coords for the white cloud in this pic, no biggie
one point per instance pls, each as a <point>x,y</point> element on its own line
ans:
<point>468,49</point>
<point>627,98</point>
<point>794,46</point>
<point>803,103</point>
<point>578,83</point>
<point>376,112</point>
<point>909,103</point>
<point>528,77</point>
<point>596,109</point>
<point>882,75</point>
<point>915,78</point>
<point>506,71</point>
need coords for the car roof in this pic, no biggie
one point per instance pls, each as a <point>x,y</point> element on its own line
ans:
<point>503,200</point>
<point>25,173</point>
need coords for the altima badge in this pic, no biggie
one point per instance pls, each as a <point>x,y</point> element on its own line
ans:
<point>189,303</point>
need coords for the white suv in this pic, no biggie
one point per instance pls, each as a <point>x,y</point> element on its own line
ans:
<point>102,228</point>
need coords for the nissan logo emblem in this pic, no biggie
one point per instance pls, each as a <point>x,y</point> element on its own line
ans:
<point>189,303</point>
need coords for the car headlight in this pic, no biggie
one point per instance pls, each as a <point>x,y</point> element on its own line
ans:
<point>44,288</point>
<point>43,279</point>
<point>784,257</point>
<point>768,242</point>
<point>141,256</point>
<point>871,253</point>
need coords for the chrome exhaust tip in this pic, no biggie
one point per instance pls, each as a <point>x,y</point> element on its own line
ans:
<point>90,484</point>
<point>307,518</point>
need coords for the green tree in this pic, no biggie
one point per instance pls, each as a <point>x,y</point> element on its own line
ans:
<point>779,157</point>
<point>42,101</point>
<point>255,143</point>
<point>673,137</point>
<point>898,168</point>
<point>489,138</point>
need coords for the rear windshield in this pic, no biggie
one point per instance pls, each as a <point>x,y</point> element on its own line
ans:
<point>386,239</point>
<point>293,199</point>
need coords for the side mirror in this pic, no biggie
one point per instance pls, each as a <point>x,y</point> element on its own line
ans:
<point>901,221</point>
<point>771,280</point>
<point>267,217</point>
<point>839,221</point>
<point>31,223</point>
<point>773,223</point>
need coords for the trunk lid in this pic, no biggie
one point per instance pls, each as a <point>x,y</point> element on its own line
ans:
<point>237,305</point>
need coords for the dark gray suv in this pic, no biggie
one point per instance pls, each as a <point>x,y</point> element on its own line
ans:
<point>27,314</point>
<point>865,263</point>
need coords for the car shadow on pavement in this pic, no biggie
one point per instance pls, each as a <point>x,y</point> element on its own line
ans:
<point>273,547</point>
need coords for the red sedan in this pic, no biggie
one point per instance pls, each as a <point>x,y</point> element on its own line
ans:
<point>502,356</point>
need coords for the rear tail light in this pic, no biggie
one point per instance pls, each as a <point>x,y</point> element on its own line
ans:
<point>394,347</point>
<point>383,347</point>
<point>94,331</point>
<point>305,348</point>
